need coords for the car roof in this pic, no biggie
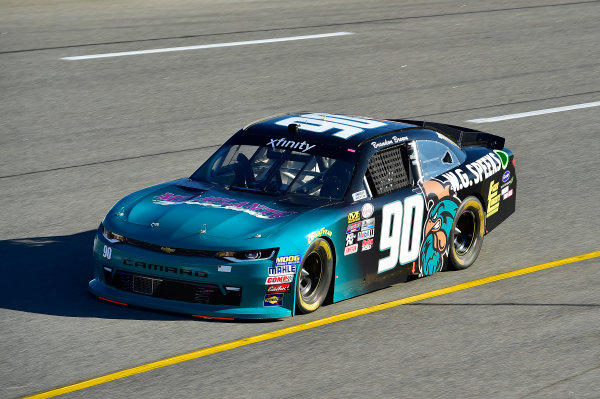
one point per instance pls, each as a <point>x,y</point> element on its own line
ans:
<point>331,129</point>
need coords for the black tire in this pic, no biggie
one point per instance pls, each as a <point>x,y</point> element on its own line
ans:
<point>314,276</point>
<point>466,236</point>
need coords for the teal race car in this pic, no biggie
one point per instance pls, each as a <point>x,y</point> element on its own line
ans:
<point>300,209</point>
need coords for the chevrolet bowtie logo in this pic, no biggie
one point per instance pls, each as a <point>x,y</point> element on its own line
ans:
<point>167,250</point>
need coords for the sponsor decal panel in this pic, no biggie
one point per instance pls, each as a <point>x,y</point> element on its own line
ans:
<point>287,260</point>
<point>254,209</point>
<point>279,288</point>
<point>352,249</point>
<point>367,244</point>
<point>350,238</point>
<point>293,145</point>
<point>362,194</point>
<point>271,280</point>
<point>318,233</point>
<point>353,227</point>
<point>363,235</point>
<point>505,176</point>
<point>273,300</point>
<point>507,192</point>
<point>282,270</point>
<point>353,217</point>
<point>483,168</point>
<point>224,268</point>
<point>493,199</point>
<point>508,183</point>
<point>367,210</point>
<point>368,224</point>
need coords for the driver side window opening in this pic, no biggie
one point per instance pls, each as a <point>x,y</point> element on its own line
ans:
<point>389,170</point>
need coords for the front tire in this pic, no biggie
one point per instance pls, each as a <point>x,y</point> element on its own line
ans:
<point>467,232</point>
<point>314,276</point>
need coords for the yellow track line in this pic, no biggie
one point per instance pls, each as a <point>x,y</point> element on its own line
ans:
<point>305,326</point>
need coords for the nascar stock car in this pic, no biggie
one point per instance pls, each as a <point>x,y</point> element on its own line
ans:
<point>302,208</point>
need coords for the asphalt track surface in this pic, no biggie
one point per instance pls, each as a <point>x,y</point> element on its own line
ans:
<point>75,136</point>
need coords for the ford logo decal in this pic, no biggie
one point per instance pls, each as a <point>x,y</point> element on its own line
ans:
<point>505,176</point>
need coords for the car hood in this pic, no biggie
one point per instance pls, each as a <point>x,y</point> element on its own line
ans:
<point>184,209</point>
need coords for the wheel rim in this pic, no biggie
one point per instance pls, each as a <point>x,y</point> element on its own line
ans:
<point>310,275</point>
<point>464,232</point>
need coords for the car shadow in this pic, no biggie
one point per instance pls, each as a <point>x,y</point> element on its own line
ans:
<point>50,275</point>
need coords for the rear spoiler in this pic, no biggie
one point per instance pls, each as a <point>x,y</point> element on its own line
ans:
<point>462,136</point>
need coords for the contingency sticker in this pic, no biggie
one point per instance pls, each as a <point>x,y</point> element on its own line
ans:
<point>273,300</point>
<point>352,249</point>
<point>287,260</point>
<point>367,210</point>
<point>279,288</point>
<point>362,194</point>
<point>353,217</point>
<point>279,279</point>
<point>367,244</point>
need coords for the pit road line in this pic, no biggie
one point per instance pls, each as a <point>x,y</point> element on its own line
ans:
<point>533,113</point>
<point>205,46</point>
<point>306,326</point>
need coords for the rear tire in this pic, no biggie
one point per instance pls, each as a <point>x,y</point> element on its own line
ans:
<point>314,276</point>
<point>466,236</point>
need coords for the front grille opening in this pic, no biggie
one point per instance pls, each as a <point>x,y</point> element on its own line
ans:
<point>176,290</point>
<point>173,251</point>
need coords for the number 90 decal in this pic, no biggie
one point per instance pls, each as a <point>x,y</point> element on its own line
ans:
<point>401,232</point>
<point>346,126</point>
<point>107,252</point>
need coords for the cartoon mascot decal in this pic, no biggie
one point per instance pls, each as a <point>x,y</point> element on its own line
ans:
<point>442,205</point>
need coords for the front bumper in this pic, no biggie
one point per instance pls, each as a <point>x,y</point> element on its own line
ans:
<point>116,268</point>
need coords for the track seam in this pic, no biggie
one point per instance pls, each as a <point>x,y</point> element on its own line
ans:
<point>218,145</point>
<point>372,21</point>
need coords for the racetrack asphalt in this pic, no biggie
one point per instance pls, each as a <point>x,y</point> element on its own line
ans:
<point>75,136</point>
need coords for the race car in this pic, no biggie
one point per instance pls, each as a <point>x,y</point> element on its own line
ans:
<point>299,209</point>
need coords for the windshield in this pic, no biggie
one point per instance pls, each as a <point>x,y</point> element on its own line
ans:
<point>276,171</point>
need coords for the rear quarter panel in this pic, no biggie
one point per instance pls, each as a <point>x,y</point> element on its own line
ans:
<point>490,176</point>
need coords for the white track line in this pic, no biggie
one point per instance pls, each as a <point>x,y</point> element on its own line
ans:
<point>533,113</point>
<point>203,46</point>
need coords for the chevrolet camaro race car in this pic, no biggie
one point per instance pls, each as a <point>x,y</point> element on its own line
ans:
<point>302,208</point>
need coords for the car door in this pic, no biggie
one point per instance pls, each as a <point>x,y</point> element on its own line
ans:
<point>441,202</point>
<point>385,229</point>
